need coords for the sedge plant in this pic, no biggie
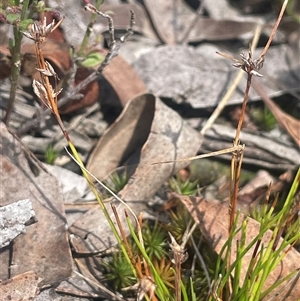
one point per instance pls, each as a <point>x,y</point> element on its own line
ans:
<point>48,93</point>
<point>265,258</point>
<point>266,254</point>
<point>150,283</point>
<point>51,154</point>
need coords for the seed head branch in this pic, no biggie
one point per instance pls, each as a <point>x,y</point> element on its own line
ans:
<point>114,47</point>
<point>44,90</point>
<point>247,64</point>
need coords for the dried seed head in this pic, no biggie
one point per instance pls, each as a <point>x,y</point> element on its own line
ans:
<point>178,253</point>
<point>40,92</point>
<point>246,63</point>
<point>49,71</point>
<point>147,285</point>
<point>40,30</point>
<point>249,65</point>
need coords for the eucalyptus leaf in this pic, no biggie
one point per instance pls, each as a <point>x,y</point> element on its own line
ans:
<point>93,59</point>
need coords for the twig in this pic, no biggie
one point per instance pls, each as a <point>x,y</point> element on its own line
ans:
<point>113,46</point>
<point>251,67</point>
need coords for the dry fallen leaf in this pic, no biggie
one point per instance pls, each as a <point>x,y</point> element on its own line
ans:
<point>23,287</point>
<point>170,138</point>
<point>124,80</point>
<point>162,135</point>
<point>128,133</point>
<point>176,22</point>
<point>213,221</point>
<point>288,122</point>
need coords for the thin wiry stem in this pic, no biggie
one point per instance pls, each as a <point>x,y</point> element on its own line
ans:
<point>285,3</point>
<point>16,63</point>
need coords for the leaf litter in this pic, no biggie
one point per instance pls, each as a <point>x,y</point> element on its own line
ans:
<point>147,131</point>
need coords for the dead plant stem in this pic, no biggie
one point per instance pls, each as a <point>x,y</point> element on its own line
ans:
<point>243,110</point>
<point>285,3</point>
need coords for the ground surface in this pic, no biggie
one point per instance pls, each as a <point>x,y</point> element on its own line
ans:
<point>149,105</point>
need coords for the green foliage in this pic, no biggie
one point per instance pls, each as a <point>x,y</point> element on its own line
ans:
<point>293,9</point>
<point>117,181</point>
<point>50,155</point>
<point>40,6</point>
<point>183,187</point>
<point>179,221</point>
<point>12,18</point>
<point>267,257</point>
<point>155,240</point>
<point>264,117</point>
<point>92,59</point>
<point>118,272</point>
